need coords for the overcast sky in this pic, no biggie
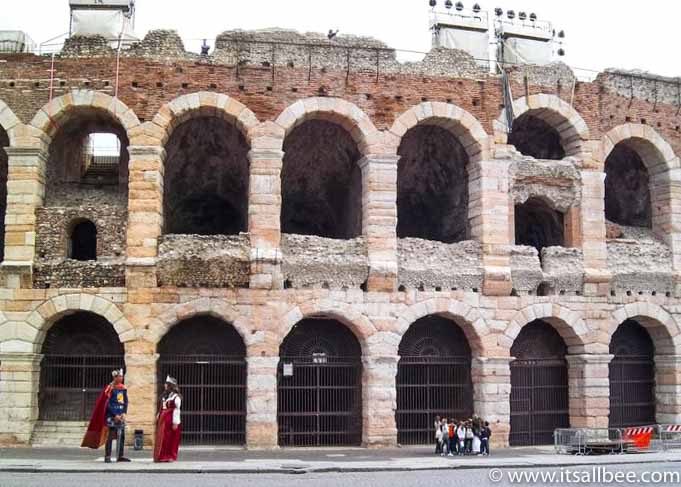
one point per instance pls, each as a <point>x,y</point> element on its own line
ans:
<point>600,33</point>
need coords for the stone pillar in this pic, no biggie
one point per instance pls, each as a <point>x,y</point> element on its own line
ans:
<point>379,401</point>
<point>264,218</point>
<point>668,388</point>
<point>589,390</point>
<point>261,406</point>
<point>667,221</point>
<point>490,214</point>
<point>145,214</point>
<point>592,229</point>
<point>19,382</point>
<point>25,193</point>
<point>379,219</point>
<point>491,395</point>
<point>140,379</point>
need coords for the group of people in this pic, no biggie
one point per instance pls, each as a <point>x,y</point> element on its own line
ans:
<point>467,437</point>
<point>108,421</point>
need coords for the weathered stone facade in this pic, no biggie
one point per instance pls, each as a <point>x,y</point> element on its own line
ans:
<point>264,281</point>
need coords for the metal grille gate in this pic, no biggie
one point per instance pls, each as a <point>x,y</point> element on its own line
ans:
<point>430,387</point>
<point>319,393</point>
<point>208,358</point>
<point>632,377</point>
<point>433,378</point>
<point>213,391</point>
<point>80,351</point>
<point>539,385</point>
<point>539,401</point>
<point>319,401</point>
<point>70,384</point>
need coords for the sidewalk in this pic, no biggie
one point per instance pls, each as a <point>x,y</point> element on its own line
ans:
<point>297,461</point>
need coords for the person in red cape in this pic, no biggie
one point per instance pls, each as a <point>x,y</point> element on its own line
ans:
<point>168,423</point>
<point>108,418</point>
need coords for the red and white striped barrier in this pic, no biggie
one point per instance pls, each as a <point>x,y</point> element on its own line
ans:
<point>641,430</point>
<point>673,428</point>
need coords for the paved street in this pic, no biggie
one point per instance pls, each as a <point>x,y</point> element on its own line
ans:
<point>469,477</point>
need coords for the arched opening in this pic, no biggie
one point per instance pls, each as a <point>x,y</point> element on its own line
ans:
<point>433,378</point>
<point>632,377</point>
<point>321,182</point>
<point>4,142</point>
<point>627,188</point>
<point>432,186</point>
<point>208,358</point>
<point>535,137</point>
<point>539,385</point>
<point>82,243</point>
<point>538,225</point>
<point>319,383</point>
<point>80,351</point>
<point>206,178</point>
<point>88,161</point>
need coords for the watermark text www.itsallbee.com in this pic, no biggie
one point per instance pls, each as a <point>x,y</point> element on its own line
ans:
<point>590,475</point>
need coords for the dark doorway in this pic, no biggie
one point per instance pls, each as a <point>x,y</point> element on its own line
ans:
<point>320,386</point>
<point>208,358</point>
<point>535,137</point>
<point>321,182</point>
<point>80,351</point>
<point>538,225</point>
<point>539,385</point>
<point>632,377</point>
<point>206,179</point>
<point>432,186</point>
<point>83,241</point>
<point>433,378</point>
<point>627,191</point>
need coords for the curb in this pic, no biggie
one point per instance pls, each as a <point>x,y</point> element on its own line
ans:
<point>313,470</point>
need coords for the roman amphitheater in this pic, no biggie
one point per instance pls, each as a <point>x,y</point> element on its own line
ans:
<point>329,247</point>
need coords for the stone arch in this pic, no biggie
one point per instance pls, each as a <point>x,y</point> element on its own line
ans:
<point>566,322</point>
<point>172,114</point>
<point>464,126</point>
<point>9,122</point>
<point>336,110</point>
<point>50,117</point>
<point>468,318</point>
<point>660,324</point>
<point>557,113</point>
<point>215,307</point>
<point>29,334</point>
<point>655,152</point>
<point>360,325</point>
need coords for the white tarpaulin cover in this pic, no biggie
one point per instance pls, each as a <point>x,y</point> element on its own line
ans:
<point>106,23</point>
<point>474,42</point>
<point>15,41</point>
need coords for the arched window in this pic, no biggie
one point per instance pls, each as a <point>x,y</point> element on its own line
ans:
<point>535,137</point>
<point>82,243</point>
<point>627,188</point>
<point>538,225</point>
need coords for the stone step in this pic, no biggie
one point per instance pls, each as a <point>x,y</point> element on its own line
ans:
<point>58,433</point>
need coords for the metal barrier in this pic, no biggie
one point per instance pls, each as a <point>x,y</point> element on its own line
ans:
<point>589,441</point>
<point>670,435</point>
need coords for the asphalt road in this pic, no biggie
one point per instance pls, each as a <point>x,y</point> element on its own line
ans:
<point>448,478</point>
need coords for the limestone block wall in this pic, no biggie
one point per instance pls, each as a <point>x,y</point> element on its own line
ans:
<point>377,285</point>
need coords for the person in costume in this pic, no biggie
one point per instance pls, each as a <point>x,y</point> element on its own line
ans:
<point>168,423</point>
<point>108,418</point>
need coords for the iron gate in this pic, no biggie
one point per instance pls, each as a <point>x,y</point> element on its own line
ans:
<point>319,401</point>
<point>539,401</point>
<point>319,379</point>
<point>433,378</point>
<point>213,389</point>
<point>539,385</point>
<point>632,377</point>
<point>428,387</point>
<point>207,356</point>
<point>70,384</point>
<point>80,351</point>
